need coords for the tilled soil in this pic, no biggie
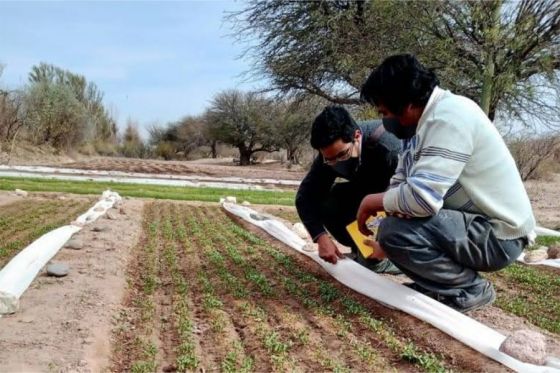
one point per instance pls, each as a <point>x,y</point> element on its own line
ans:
<point>207,295</point>
<point>64,324</point>
<point>255,305</point>
<point>545,199</point>
<point>185,168</point>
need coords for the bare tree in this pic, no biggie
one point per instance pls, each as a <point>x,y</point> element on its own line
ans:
<point>293,124</point>
<point>531,154</point>
<point>505,55</point>
<point>11,115</point>
<point>243,120</point>
<point>132,144</point>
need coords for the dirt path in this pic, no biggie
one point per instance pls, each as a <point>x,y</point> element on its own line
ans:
<point>65,324</point>
<point>545,198</point>
<point>8,197</point>
<point>266,171</point>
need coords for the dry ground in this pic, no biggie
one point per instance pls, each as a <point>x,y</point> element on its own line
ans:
<point>264,171</point>
<point>65,324</point>
<point>205,306</point>
<point>544,194</point>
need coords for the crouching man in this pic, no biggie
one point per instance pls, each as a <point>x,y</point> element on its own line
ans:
<point>457,202</point>
<point>364,156</point>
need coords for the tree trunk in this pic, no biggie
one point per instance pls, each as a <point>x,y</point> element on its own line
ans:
<point>245,156</point>
<point>213,148</point>
<point>292,156</point>
<point>493,33</point>
<point>487,84</point>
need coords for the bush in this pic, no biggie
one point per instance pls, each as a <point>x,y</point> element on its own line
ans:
<point>165,150</point>
<point>535,157</point>
<point>105,148</point>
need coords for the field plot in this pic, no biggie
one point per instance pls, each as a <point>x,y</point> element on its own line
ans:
<point>181,286</point>
<point>64,324</point>
<point>207,294</point>
<point>269,171</point>
<point>22,221</point>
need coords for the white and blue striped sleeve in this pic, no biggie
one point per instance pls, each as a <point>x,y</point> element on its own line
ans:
<point>439,160</point>
<point>399,176</point>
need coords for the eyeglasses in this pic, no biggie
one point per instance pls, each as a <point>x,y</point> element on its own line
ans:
<point>340,157</point>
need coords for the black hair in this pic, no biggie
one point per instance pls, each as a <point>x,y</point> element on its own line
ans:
<point>400,80</point>
<point>332,124</point>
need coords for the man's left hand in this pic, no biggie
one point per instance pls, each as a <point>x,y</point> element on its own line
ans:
<point>378,252</point>
<point>371,204</point>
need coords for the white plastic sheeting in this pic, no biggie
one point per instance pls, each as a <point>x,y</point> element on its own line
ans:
<point>540,231</point>
<point>18,274</point>
<point>461,327</point>
<point>143,178</point>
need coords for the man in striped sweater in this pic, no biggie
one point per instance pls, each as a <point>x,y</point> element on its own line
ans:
<point>456,203</point>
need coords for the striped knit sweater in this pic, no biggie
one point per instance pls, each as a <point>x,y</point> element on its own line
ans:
<point>458,160</point>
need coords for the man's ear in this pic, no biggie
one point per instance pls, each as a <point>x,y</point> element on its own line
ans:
<point>357,134</point>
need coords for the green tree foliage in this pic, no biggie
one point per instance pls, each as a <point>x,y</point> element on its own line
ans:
<point>54,116</point>
<point>132,145</point>
<point>99,124</point>
<point>293,125</point>
<point>505,55</point>
<point>244,120</point>
<point>179,139</point>
<point>10,114</point>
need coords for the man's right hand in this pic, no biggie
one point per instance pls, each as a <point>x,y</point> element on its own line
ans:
<point>328,251</point>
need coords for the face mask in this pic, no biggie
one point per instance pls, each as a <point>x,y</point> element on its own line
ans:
<point>396,128</point>
<point>347,168</point>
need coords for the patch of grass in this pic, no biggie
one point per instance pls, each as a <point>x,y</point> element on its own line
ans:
<point>546,240</point>
<point>530,293</point>
<point>31,220</point>
<point>427,361</point>
<point>329,301</point>
<point>274,344</point>
<point>148,191</point>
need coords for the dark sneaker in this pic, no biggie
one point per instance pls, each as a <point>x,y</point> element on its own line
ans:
<point>488,297</point>
<point>378,266</point>
<point>385,266</point>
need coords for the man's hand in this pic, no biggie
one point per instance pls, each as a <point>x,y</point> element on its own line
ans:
<point>328,250</point>
<point>378,252</point>
<point>371,204</point>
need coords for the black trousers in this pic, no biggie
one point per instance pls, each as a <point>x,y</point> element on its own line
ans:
<point>339,210</point>
<point>444,253</point>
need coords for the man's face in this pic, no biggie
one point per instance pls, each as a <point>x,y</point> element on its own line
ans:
<point>409,116</point>
<point>340,150</point>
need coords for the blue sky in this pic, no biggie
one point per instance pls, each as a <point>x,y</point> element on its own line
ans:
<point>155,61</point>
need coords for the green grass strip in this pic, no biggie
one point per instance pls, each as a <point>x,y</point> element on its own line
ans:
<point>148,191</point>
<point>546,241</point>
<point>536,296</point>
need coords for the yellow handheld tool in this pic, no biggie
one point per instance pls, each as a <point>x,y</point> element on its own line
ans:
<point>373,224</point>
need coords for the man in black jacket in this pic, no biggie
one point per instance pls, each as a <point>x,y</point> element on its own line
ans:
<point>365,156</point>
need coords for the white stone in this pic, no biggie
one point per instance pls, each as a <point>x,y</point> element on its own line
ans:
<point>101,228</point>
<point>58,269</point>
<point>8,303</point>
<point>310,247</point>
<point>527,346</point>
<point>231,199</point>
<point>21,193</point>
<point>300,230</point>
<point>111,215</point>
<point>246,203</point>
<point>75,244</point>
<point>554,252</point>
<point>536,255</point>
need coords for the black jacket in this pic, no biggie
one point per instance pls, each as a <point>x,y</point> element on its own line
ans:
<point>378,161</point>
